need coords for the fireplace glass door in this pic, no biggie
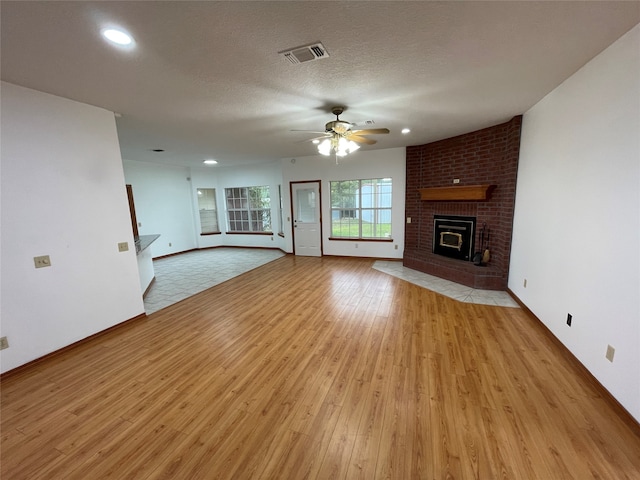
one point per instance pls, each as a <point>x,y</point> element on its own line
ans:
<point>453,236</point>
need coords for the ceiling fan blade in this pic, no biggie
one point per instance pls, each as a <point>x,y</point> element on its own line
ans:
<point>307,131</point>
<point>359,139</point>
<point>371,131</point>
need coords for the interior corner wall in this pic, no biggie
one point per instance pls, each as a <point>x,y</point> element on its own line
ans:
<point>162,196</point>
<point>63,195</point>
<point>166,203</point>
<point>250,176</point>
<point>576,237</point>
<point>205,178</point>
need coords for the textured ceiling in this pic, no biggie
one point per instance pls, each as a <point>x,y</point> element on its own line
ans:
<point>205,79</point>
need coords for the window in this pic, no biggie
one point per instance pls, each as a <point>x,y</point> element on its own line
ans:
<point>361,209</point>
<point>208,211</point>
<point>248,209</point>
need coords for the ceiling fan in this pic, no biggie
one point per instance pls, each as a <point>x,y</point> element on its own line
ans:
<point>342,137</point>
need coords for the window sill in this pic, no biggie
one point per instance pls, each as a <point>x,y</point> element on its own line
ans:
<point>250,233</point>
<point>356,239</point>
<point>210,233</point>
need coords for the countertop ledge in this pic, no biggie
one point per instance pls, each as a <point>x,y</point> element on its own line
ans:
<point>143,242</point>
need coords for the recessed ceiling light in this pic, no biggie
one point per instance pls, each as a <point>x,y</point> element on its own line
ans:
<point>210,162</point>
<point>119,37</point>
<point>405,130</point>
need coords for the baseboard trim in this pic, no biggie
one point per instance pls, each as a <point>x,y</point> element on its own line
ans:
<point>60,351</point>
<point>622,412</point>
<point>153,280</point>
<point>180,253</point>
<point>217,246</point>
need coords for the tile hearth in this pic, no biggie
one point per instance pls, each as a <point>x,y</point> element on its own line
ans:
<point>450,289</point>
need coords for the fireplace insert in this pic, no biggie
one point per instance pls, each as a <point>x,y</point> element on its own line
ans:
<point>453,236</point>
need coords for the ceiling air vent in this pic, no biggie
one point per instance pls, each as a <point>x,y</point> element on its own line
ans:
<point>307,53</point>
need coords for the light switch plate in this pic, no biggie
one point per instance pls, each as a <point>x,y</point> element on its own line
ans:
<point>610,352</point>
<point>123,246</point>
<point>42,261</point>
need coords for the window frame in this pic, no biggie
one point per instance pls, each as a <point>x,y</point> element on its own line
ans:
<point>242,202</point>
<point>357,209</point>
<point>201,210</point>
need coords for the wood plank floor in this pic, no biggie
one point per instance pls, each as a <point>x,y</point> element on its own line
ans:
<point>315,368</point>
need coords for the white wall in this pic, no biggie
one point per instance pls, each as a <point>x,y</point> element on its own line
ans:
<point>388,163</point>
<point>145,269</point>
<point>63,195</point>
<point>166,202</point>
<point>576,237</point>
<point>163,201</point>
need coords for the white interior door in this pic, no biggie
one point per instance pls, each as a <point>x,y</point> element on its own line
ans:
<point>307,224</point>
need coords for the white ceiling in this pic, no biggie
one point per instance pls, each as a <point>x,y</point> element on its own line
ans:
<point>206,80</point>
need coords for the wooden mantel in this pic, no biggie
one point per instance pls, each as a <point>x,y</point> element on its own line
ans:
<point>457,193</point>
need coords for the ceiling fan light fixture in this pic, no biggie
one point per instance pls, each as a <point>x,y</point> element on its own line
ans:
<point>338,144</point>
<point>324,147</point>
<point>342,138</point>
<point>346,146</point>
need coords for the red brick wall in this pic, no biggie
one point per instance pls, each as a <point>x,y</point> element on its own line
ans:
<point>488,156</point>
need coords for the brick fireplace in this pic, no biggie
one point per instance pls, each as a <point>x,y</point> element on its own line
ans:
<point>487,157</point>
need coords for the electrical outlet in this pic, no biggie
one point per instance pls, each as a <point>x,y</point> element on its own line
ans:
<point>569,319</point>
<point>396,247</point>
<point>169,243</point>
<point>42,261</point>
<point>356,245</point>
<point>456,181</point>
<point>525,283</point>
<point>4,343</point>
<point>408,219</point>
<point>610,352</point>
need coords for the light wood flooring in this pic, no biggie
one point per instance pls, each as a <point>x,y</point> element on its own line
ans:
<point>315,368</point>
